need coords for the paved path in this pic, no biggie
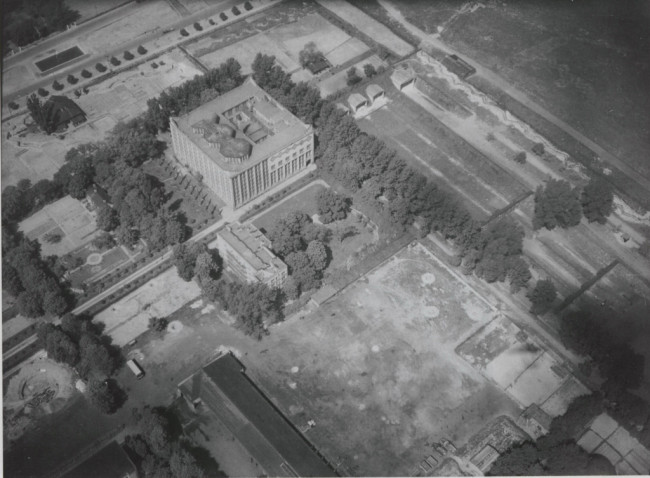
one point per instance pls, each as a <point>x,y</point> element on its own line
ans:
<point>489,75</point>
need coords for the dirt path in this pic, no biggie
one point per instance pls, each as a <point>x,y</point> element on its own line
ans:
<point>434,40</point>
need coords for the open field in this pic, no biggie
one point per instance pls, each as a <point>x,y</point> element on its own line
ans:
<point>589,76</point>
<point>128,318</point>
<point>304,201</point>
<point>125,95</point>
<point>67,217</point>
<point>370,356</point>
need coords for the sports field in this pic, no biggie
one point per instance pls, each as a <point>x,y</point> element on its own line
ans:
<point>375,366</point>
<point>67,217</point>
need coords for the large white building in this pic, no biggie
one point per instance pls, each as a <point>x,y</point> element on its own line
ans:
<point>242,143</point>
<point>247,254</point>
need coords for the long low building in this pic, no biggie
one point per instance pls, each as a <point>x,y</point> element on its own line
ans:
<point>242,143</point>
<point>223,391</point>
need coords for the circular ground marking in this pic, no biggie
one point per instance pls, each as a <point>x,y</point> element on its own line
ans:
<point>428,278</point>
<point>375,348</point>
<point>94,259</point>
<point>431,311</point>
<point>294,369</point>
<point>174,327</point>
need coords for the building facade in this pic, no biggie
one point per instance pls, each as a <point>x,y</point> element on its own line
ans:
<point>242,143</point>
<point>247,254</point>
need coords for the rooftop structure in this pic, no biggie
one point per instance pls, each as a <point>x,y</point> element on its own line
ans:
<point>109,462</point>
<point>65,111</point>
<point>242,143</point>
<point>401,78</point>
<point>374,92</point>
<point>222,390</point>
<point>247,253</point>
<point>458,66</point>
<point>356,101</point>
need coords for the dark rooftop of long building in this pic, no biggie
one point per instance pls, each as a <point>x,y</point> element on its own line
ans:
<point>258,425</point>
<point>109,462</point>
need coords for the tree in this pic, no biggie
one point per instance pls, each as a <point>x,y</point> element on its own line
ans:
<point>103,394</point>
<point>86,74</point>
<point>58,345</point>
<point>518,273</point>
<point>30,304</point>
<point>185,258</point>
<point>318,255</point>
<point>248,6</point>
<point>128,55</point>
<point>352,77</point>
<point>369,70</point>
<point>309,55</point>
<point>134,143</point>
<point>57,86</point>
<point>542,297</point>
<point>198,27</point>
<point>207,266</point>
<point>114,61</point>
<point>521,460</point>
<point>183,465</point>
<point>73,80</point>
<point>11,280</point>
<point>94,357</point>
<point>520,157</point>
<point>107,219</point>
<point>42,114</point>
<point>184,32</point>
<point>43,92</point>
<point>155,429</point>
<point>538,149</point>
<point>104,241</point>
<point>236,10</point>
<point>100,67</point>
<point>303,271</point>
<point>556,204</point>
<point>54,302</point>
<point>223,16</point>
<point>142,50</point>
<point>597,200</point>
<point>332,206</point>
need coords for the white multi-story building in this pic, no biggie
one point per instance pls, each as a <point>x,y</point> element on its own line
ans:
<point>242,143</point>
<point>247,253</point>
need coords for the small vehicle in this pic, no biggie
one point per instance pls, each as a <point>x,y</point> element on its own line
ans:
<point>135,368</point>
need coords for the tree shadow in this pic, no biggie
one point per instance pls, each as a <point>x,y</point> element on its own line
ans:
<point>204,459</point>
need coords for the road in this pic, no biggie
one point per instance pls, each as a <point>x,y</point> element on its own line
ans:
<point>100,22</point>
<point>434,40</point>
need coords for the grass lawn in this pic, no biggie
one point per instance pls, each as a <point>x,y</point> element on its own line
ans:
<point>304,201</point>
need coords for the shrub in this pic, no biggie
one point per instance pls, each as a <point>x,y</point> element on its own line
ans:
<point>57,86</point>
<point>369,70</point>
<point>520,157</point>
<point>154,65</point>
<point>128,55</point>
<point>198,27</point>
<point>538,149</point>
<point>211,22</point>
<point>352,77</point>
<point>248,6</point>
<point>100,67</point>
<point>85,73</point>
<point>43,92</point>
<point>13,105</point>
<point>223,16</point>
<point>72,79</point>
<point>184,32</point>
<point>235,10</point>
<point>115,61</point>
<point>142,50</point>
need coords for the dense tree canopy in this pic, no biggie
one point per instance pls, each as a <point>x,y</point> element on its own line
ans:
<point>542,296</point>
<point>597,200</point>
<point>332,206</point>
<point>556,204</point>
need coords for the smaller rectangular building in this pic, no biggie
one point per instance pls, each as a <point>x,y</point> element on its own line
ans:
<point>247,253</point>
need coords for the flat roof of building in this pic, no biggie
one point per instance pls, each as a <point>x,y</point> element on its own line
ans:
<point>288,128</point>
<point>109,462</point>
<point>373,90</point>
<point>258,425</point>
<point>401,76</point>
<point>355,99</point>
<point>251,244</point>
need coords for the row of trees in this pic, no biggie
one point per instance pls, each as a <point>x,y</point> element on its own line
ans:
<point>557,204</point>
<point>29,278</point>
